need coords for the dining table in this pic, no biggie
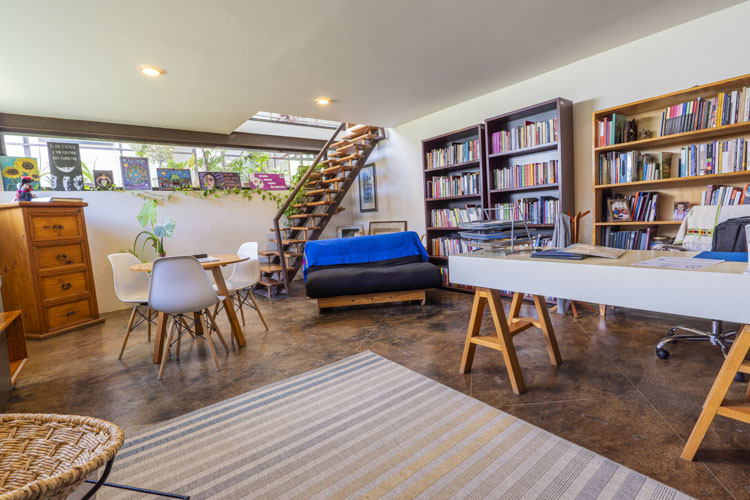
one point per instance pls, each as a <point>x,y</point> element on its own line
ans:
<point>214,263</point>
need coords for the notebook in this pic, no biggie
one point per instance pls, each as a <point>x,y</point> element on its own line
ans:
<point>558,254</point>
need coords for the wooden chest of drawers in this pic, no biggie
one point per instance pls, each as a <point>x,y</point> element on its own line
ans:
<point>46,267</point>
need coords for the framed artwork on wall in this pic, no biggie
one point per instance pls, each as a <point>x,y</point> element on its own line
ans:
<point>350,231</point>
<point>387,226</point>
<point>368,195</point>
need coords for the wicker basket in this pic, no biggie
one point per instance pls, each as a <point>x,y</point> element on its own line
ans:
<point>49,456</point>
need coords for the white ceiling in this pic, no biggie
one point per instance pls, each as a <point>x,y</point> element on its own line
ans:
<point>384,62</point>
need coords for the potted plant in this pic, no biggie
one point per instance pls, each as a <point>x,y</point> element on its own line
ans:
<point>147,216</point>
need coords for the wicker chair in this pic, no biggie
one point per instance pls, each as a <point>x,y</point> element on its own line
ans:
<point>48,456</point>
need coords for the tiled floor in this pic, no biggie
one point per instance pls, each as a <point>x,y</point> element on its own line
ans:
<point>611,395</point>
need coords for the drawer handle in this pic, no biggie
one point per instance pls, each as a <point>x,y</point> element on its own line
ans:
<point>61,256</point>
<point>58,226</point>
<point>71,313</point>
<point>66,286</point>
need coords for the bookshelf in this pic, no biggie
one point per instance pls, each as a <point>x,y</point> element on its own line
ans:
<point>459,166</point>
<point>512,162</point>
<point>671,188</point>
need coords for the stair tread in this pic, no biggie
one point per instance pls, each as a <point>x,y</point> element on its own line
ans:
<point>270,268</point>
<point>359,131</point>
<point>347,158</point>
<point>315,192</point>
<point>295,228</point>
<point>290,242</point>
<point>265,281</point>
<point>313,204</point>
<point>349,147</point>
<point>268,253</point>
<point>305,216</point>
<point>344,142</point>
<point>336,169</point>
<point>331,181</point>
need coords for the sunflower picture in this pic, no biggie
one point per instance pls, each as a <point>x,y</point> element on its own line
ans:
<point>13,168</point>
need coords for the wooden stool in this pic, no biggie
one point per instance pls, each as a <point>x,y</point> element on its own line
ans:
<point>715,404</point>
<point>505,329</point>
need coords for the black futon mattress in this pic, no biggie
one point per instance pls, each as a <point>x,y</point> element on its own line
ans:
<point>392,275</point>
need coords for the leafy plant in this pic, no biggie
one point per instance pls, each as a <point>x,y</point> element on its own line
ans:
<point>146,217</point>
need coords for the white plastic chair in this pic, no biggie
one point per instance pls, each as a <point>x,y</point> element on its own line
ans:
<point>180,287</point>
<point>131,287</point>
<point>244,277</point>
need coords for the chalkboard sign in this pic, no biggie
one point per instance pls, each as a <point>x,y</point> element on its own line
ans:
<point>65,169</point>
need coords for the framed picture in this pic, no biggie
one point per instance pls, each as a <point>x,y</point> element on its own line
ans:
<point>135,172</point>
<point>173,178</point>
<point>387,226</point>
<point>368,193</point>
<point>350,231</point>
<point>681,209</point>
<point>619,209</point>
<point>103,179</point>
<point>208,180</point>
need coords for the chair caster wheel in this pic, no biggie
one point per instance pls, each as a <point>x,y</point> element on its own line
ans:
<point>740,377</point>
<point>662,353</point>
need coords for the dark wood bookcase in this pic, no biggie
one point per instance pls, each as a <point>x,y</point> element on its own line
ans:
<point>475,166</point>
<point>560,150</point>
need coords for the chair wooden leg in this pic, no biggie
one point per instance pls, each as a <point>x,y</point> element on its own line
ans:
<point>242,309</point>
<point>127,331</point>
<point>602,309</point>
<point>718,391</point>
<point>547,330</point>
<point>215,327</point>
<point>166,348</point>
<point>210,343</point>
<point>257,309</point>
<point>179,340</point>
<point>148,314</point>
<point>573,308</point>
<point>475,324</point>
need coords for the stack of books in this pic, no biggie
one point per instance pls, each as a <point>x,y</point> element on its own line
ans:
<point>643,205</point>
<point>629,240</point>
<point>620,167</point>
<point>454,185</point>
<point>726,108</point>
<point>455,152</point>
<point>453,217</point>
<point>534,210</point>
<point>528,135</point>
<point>530,174</point>
<point>611,131</point>
<point>725,195</point>
<point>715,157</point>
<point>449,246</point>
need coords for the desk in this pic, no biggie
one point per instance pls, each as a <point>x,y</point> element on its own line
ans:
<point>720,292</point>
<point>215,267</point>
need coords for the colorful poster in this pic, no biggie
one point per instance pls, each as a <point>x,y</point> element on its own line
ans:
<point>135,172</point>
<point>229,180</point>
<point>12,168</point>
<point>66,173</point>
<point>173,178</point>
<point>271,182</point>
<point>209,180</point>
<point>103,179</point>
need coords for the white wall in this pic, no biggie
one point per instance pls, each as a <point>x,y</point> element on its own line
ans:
<point>708,49</point>
<point>207,225</point>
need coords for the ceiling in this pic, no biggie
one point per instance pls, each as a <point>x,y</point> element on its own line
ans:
<point>383,62</point>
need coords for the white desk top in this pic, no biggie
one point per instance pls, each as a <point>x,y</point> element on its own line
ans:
<point>720,291</point>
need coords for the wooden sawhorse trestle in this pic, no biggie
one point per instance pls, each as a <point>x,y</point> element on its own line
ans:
<point>505,329</point>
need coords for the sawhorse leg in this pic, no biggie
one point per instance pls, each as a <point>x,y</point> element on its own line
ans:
<point>715,403</point>
<point>505,329</point>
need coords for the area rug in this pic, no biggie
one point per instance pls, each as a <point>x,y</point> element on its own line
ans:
<point>366,427</point>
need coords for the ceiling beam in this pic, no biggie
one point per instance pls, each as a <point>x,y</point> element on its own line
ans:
<point>116,132</point>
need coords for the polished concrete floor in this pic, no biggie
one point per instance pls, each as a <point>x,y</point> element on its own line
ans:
<point>611,395</point>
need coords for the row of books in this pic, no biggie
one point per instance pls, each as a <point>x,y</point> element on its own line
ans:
<point>449,246</point>
<point>725,195</point>
<point>530,174</point>
<point>611,131</point>
<point>726,108</point>
<point>617,167</point>
<point>717,157</point>
<point>533,210</point>
<point>628,240</point>
<point>455,152</point>
<point>528,135</point>
<point>453,185</point>
<point>453,217</point>
<point>642,206</point>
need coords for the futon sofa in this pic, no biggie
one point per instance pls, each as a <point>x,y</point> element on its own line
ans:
<point>368,270</point>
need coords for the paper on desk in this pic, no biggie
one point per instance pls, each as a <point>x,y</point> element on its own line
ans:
<point>686,263</point>
<point>207,259</point>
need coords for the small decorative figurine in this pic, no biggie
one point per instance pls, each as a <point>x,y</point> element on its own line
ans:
<point>25,190</point>
<point>644,134</point>
<point>631,134</point>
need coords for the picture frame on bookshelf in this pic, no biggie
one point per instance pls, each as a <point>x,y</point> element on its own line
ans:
<point>350,231</point>
<point>619,210</point>
<point>368,194</point>
<point>387,227</point>
<point>681,209</point>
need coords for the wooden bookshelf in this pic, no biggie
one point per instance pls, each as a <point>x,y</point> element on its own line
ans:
<point>560,150</point>
<point>474,166</point>
<point>647,113</point>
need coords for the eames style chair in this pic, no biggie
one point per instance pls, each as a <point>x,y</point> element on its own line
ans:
<point>244,277</point>
<point>131,287</point>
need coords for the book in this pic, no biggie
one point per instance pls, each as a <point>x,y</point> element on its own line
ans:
<point>455,152</point>
<point>135,172</point>
<point>47,199</point>
<point>528,135</point>
<point>557,254</point>
<point>594,251</point>
<point>65,169</point>
<point>454,185</point>
<point>103,179</point>
<point>173,178</point>
<point>529,174</point>
<point>13,168</point>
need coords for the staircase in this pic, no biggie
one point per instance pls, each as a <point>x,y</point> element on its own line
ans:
<point>323,188</point>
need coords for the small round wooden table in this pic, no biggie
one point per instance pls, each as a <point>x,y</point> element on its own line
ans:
<point>215,267</point>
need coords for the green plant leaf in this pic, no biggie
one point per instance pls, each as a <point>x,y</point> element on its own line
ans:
<point>166,228</point>
<point>147,213</point>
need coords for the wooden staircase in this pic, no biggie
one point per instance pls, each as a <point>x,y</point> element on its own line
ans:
<point>324,187</point>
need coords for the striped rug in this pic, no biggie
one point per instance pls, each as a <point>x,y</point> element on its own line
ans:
<point>366,427</point>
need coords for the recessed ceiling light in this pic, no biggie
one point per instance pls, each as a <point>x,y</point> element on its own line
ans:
<point>151,71</point>
<point>323,100</point>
